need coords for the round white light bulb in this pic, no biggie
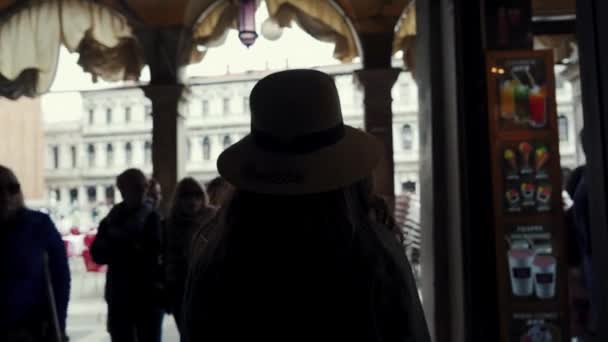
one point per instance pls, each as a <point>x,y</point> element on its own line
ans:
<point>271,29</point>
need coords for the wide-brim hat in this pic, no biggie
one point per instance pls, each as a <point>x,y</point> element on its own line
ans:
<point>298,143</point>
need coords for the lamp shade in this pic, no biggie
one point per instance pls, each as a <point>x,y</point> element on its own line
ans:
<point>246,22</point>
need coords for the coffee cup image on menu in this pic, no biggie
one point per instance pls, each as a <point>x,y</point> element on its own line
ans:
<point>520,270</point>
<point>531,273</point>
<point>544,269</point>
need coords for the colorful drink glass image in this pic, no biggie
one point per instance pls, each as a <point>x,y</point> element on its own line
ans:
<point>507,99</point>
<point>520,267</point>
<point>522,94</point>
<point>538,110</point>
<point>522,103</point>
<point>544,269</point>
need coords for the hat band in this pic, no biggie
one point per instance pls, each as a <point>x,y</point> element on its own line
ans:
<point>301,144</point>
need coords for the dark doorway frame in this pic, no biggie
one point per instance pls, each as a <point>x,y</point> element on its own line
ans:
<point>459,289</point>
<point>592,34</point>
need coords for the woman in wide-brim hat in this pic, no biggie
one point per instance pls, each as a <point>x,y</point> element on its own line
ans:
<point>294,254</point>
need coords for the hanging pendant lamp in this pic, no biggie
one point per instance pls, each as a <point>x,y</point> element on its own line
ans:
<point>246,22</point>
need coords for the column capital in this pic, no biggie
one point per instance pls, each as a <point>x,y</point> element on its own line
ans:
<point>165,50</point>
<point>377,79</point>
<point>377,85</point>
<point>163,93</point>
<point>377,48</point>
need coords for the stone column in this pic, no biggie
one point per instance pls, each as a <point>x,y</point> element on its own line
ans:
<point>101,194</point>
<point>65,196</point>
<point>81,155</point>
<point>64,156</point>
<point>378,121</point>
<point>119,156</point>
<point>166,50</point>
<point>138,153</point>
<point>100,155</point>
<point>82,196</point>
<point>168,140</point>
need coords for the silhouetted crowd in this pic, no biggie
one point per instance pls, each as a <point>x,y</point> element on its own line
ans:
<point>291,243</point>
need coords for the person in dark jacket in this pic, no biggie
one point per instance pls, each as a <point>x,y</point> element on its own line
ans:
<point>190,212</point>
<point>128,241</point>
<point>26,236</point>
<point>295,255</point>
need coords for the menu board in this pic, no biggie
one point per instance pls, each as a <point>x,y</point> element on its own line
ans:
<point>530,236</point>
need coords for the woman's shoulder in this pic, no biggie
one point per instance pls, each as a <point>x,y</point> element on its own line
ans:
<point>37,225</point>
<point>37,219</point>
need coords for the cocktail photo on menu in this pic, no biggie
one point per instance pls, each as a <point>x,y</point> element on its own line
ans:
<point>522,92</point>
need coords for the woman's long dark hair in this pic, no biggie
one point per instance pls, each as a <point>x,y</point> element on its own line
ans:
<point>185,185</point>
<point>324,247</point>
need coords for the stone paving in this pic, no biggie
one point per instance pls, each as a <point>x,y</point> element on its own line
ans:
<point>87,308</point>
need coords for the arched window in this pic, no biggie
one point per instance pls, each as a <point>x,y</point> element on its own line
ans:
<point>148,153</point>
<point>74,156</point>
<point>227,141</point>
<point>206,148</point>
<point>109,155</point>
<point>109,194</point>
<point>128,153</point>
<point>562,123</point>
<point>55,157</point>
<point>108,116</point>
<point>73,196</point>
<point>409,186</point>
<point>91,194</point>
<point>226,105</point>
<point>407,138</point>
<point>91,155</point>
<point>188,149</point>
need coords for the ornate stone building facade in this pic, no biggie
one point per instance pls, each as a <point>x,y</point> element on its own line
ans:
<point>114,133</point>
